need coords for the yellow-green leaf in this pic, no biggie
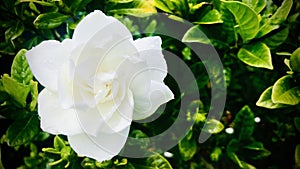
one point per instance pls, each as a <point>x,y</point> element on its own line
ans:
<point>246,18</point>
<point>265,100</point>
<point>257,55</point>
<point>285,92</point>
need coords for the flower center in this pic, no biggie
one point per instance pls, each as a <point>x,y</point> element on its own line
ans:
<point>105,92</point>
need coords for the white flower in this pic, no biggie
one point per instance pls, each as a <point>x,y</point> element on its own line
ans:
<point>98,82</point>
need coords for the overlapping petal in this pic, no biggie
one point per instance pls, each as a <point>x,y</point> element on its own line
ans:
<point>103,147</point>
<point>46,59</point>
<point>55,119</point>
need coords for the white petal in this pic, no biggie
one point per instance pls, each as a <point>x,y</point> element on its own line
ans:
<point>55,119</point>
<point>96,22</point>
<point>121,118</point>
<point>150,50</point>
<point>145,106</point>
<point>103,147</point>
<point>46,59</point>
<point>65,84</point>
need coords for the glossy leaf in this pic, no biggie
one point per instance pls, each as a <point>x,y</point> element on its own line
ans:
<point>276,19</point>
<point>23,130</point>
<point>285,92</point>
<point>138,8</point>
<point>257,55</point>
<point>276,39</point>
<point>295,60</point>
<point>162,5</point>
<point>58,143</point>
<point>49,20</point>
<point>213,126</point>
<point>244,123</point>
<point>159,162</point>
<point>257,5</point>
<point>34,94</point>
<point>265,100</point>
<point>211,17</point>
<point>20,70</point>
<point>246,18</point>
<point>194,34</point>
<point>16,90</point>
<point>14,31</point>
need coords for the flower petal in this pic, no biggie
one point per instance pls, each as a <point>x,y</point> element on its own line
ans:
<point>46,59</point>
<point>55,119</point>
<point>103,147</point>
<point>121,118</point>
<point>150,50</point>
<point>145,106</point>
<point>96,22</point>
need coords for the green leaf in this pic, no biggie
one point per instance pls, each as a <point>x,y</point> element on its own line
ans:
<point>138,8</point>
<point>20,70</point>
<point>58,143</point>
<point>16,90</point>
<point>187,148</point>
<point>14,31</point>
<point>277,18</point>
<point>162,6</point>
<point>244,123</point>
<point>297,123</point>
<point>34,94</point>
<point>211,17</point>
<point>295,60</point>
<point>23,130</point>
<point>49,20</point>
<point>285,92</point>
<point>3,94</point>
<point>257,5</point>
<point>265,100</point>
<point>194,34</point>
<point>158,162</point>
<point>213,126</point>
<point>216,153</point>
<point>246,18</point>
<point>297,155</point>
<point>255,146</point>
<point>276,39</point>
<point>80,4</point>
<point>257,55</point>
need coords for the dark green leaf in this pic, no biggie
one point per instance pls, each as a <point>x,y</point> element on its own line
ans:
<point>211,17</point>
<point>187,148</point>
<point>3,94</point>
<point>194,34</point>
<point>246,18</point>
<point>297,123</point>
<point>20,70</point>
<point>16,90</point>
<point>159,162</point>
<point>244,123</point>
<point>49,20</point>
<point>297,155</point>
<point>23,130</point>
<point>265,100</point>
<point>285,92</point>
<point>277,18</point>
<point>276,39</point>
<point>257,55</point>
<point>14,31</point>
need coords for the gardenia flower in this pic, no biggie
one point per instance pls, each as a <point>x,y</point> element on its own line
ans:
<point>97,83</point>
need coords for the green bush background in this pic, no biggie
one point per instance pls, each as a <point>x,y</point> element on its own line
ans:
<point>256,41</point>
